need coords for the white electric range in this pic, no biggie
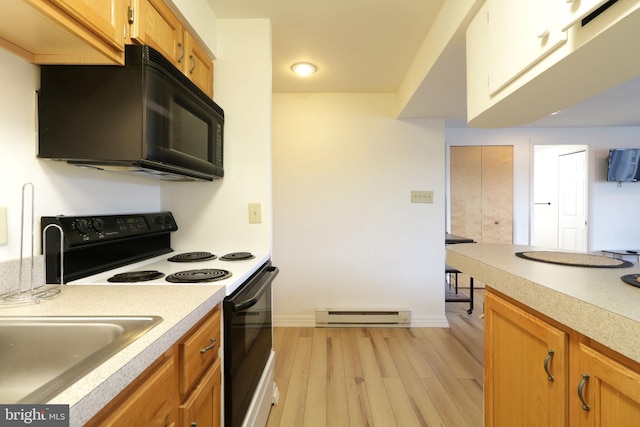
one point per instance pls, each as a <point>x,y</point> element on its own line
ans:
<point>159,270</point>
<point>136,249</point>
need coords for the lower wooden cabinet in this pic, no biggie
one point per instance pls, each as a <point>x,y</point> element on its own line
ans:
<point>182,388</point>
<point>526,361</point>
<point>148,401</point>
<point>607,392</point>
<point>541,373</point>
<point>202,407</point>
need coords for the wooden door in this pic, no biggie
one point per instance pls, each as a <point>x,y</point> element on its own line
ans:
<point>604,392</point>
<point>465,183</point>
<point>481,193</point>
<point>526,368</point>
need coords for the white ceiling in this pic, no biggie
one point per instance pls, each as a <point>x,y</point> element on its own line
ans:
<point>368,45</point>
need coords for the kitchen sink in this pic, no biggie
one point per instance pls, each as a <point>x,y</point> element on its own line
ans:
<point>41,356</point>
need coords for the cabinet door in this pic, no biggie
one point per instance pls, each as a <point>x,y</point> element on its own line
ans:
<point>575,10</point>
<point>151,403</point>
<point>605,393</point>
<point>521,33</point>
<point>526,365</point>
<point>202,407</point>
<point>154,24</point>
<point>197,65</point>
<point>104,18</point>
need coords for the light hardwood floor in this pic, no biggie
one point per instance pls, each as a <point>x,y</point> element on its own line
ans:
<point>382,376</point>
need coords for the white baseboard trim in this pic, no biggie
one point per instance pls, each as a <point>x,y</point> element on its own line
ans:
<point>310,321</point>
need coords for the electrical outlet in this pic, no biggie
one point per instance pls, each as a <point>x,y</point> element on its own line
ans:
<point>255,213</point>
<point>421,196</point>
<point>3,226</point>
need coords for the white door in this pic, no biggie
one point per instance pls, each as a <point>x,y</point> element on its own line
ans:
<point>572,193</point>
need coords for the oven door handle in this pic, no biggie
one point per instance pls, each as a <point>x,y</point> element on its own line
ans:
<point>250,302</point>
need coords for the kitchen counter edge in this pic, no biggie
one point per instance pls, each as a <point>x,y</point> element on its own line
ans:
<point>592,301</point>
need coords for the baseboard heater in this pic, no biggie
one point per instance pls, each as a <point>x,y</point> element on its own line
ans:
<point>329,317</point>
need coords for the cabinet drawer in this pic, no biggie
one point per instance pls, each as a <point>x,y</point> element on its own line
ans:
<point>198,350</point>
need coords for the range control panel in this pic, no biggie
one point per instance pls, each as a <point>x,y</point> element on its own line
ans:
<point>82,230</point>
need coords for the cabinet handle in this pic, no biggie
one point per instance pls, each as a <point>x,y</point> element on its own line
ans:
<point>209,347</point>
<point>583,382</point>
<point>194,424</point>
<point>543,32</point>
<point>181,57</point>
<point>193,66</point>
<point>546,365</point>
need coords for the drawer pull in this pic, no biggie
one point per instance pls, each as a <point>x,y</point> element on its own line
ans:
<point>209,347</point>
<point>546,365</point>
<point>583,382</point>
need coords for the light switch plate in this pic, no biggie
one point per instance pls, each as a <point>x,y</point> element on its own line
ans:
<point>255,213</point>
<point>3,226</point>
<point>421,196</point>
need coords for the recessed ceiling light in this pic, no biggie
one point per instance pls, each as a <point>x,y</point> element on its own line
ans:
<point>304,68</point>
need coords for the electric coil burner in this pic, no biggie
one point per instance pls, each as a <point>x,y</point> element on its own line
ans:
<point>192,257</point>
<point>136,276</point>
<point>198,276</point>
<point>237,256</point>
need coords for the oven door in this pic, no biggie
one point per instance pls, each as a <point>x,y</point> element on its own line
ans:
<point>247,342</point>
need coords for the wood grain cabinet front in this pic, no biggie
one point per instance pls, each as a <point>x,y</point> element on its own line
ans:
<point>65,31</point>
<point>202,407</point>
<point>199,373</point>
<point>153,23</point>
<point>605,391</point>
<point>526,361</point>
<point>149,401</point>
<point>540,372</point>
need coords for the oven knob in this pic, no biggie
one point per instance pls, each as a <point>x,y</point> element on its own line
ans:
<point>159,219</point>
<point>98,224</point>
<point>82,226</point>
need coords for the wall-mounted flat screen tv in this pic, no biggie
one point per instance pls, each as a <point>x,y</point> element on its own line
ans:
<point>624,165</point>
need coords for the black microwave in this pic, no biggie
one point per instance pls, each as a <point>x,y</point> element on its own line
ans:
<point>145,117</point>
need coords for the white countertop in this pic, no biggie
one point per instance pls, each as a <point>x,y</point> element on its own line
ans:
<point>180,306</point>
<point>592,301</point>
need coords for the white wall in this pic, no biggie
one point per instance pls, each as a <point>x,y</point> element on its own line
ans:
<point>613,212</point>
<point>215,216</point>
<point>345,233</point>
<point>59,188</point>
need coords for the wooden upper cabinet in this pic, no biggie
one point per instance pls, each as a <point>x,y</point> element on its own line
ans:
<point>64,31</point>
<point>103,18</point>
<point>153,23</point>
<point>197,65</point>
